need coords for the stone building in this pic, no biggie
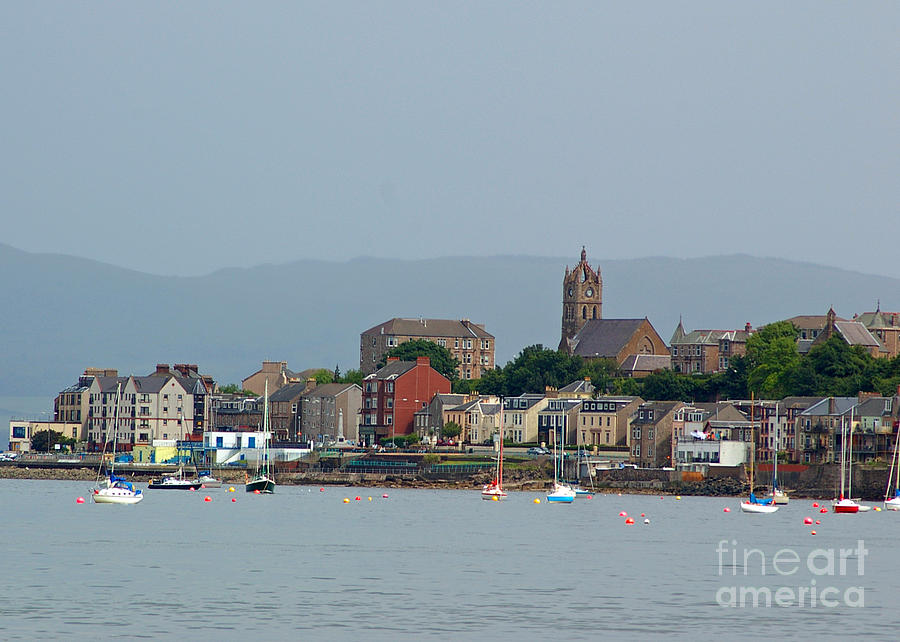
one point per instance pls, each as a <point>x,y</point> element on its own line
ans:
<point>468,342</point>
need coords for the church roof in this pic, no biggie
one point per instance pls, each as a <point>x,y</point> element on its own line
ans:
<point>605,337</point>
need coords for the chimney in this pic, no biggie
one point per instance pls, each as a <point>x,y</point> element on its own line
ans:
<point>310,384</point>
<point>747,327</point>
<point>162,368</point>
<point>423,361</point>
<point>550,392</point>
<point>390,359</point>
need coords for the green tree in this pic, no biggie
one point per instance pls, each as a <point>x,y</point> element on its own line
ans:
<point>352,376</point>
<point>234,389</point>
<point>441,359</point>
<point>323,376</point>
<point>39,441</point>
<point>772,357</point>
<point>451,430</point>
<point>537,367</point>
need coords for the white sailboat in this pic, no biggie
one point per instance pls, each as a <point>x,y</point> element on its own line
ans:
<point>560,493</point>
<point>494,491</point>
<point>842,504</point>
<point>754,504</point>
<point>114,490</point>
<point>264,479</point>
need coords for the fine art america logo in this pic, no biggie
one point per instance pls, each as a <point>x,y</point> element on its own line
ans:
<point>814,578</point>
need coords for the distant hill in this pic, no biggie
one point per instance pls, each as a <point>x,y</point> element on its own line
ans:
<point>61,314</point>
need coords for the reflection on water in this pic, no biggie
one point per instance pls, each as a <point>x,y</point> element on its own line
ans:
<point>428,563</point>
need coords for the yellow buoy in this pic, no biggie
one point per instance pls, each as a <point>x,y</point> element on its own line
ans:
<point>346,500</point>
<point>370,499</point>
<point>537,500</point>
<point>231,489</point>
<point>677,496</point>
<point>495,498</point>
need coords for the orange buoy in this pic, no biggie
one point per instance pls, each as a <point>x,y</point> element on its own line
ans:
<point>80,500</point>
<point>807,520</point>
<point>207,498</point>
<point>630,520</point>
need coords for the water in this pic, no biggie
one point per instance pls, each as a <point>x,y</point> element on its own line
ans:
<point>420,564</point>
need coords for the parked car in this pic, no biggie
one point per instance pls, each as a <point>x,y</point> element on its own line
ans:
<point>537,450</point>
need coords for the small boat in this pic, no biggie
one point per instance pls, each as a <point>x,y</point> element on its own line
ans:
<point>754,504</point>
<point>894,502</point>
<point>264,480</point>
<point>561,494</point>
<point>114,489</point>
<point>844,505</point>
<point>208,481</point>
<point>893,483</point>
<point>174,482</point>
<point>494,490</point>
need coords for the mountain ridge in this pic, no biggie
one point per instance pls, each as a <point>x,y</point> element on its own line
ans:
<point>74,312</point>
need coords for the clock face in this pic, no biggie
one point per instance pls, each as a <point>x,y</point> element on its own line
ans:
<point>590,292</point>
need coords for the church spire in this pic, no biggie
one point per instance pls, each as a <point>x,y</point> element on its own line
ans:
<point>583,254</point>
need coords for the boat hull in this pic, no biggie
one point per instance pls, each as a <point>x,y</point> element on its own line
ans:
<point>116,496</point>
<point>845,506</point>
<point>759,509</point>
<point>179,485</point>
<point>262,484</point>
<point>493,495</point>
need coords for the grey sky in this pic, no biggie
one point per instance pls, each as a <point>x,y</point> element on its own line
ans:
<point>180,137</point>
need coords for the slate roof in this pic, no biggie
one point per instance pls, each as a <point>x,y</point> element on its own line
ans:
<point>841,406</point>
<point>811,321</point>
<point>879,319</point>
<point>522,402</point>
<point>430,328</point>
<point>646,363</point>
<point>582,385</point>
<point>605,337</point>
<point>874,407</point>
<point>856,334</point>
<point>328,390</point>
<point>287,392</point>
<point>392,370</point>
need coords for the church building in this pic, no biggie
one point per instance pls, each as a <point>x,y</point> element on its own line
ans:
<point>587,334</point>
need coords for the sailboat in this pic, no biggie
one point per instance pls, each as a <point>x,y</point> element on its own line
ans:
<point>560,493</point>
<point>114,490</point>
<point>893,483</point>
<point>174,482</point>
<point>494,491</point>
<point>778,495</point>
<point>844,504</point>
<point>862,507</point>
<point>755,504</point>
<point>264,480</point>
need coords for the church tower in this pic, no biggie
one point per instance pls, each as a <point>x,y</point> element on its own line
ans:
<point>582,299</point>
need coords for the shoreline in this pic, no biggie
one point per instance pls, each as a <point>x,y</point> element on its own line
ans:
<point>233,478</point>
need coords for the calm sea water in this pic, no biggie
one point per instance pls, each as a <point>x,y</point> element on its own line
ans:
<point>428,564</point>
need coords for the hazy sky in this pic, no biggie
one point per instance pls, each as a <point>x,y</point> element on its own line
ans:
<point>180,137</point>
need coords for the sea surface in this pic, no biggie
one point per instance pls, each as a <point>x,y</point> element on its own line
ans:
<point>434,564</point>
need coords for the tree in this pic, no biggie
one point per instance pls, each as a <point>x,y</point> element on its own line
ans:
<point>441,359</point>
<point>451,430</point>
<point>772,356</point>
<point>39,440</point>
<point>323,376</point>
<point>234,389</point>
<point>537,367</point>
<point>352,376</point>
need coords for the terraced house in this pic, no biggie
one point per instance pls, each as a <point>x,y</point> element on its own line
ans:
<point>706,351</point>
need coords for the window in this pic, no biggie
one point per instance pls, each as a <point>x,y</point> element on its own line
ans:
<point>636,433</point>
<point>391,342</point>
<point>251,442</point>
<point>389,419</point>
<point>456,343</point>
<point>650,435</point>
<point>442,343</point>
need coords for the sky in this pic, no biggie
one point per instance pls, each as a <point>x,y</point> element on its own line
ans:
<point>182,137</point>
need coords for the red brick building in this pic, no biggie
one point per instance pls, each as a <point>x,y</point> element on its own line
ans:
<point>392,396</point>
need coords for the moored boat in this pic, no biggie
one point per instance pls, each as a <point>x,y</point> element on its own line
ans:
<point>115,490</point>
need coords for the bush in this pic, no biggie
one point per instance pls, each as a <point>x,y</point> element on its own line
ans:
<point>431,459</point>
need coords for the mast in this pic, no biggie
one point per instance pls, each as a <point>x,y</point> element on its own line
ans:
<point>112,468</point>
<point>887,491</point>
<point>843,449</point>
<point>266,430</point>
<point>775,464</point>
<point>752,441</point>
<point>850,459</point>
<point>500,463</point>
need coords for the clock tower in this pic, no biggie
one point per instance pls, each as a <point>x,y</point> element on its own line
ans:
<point>582,299</point>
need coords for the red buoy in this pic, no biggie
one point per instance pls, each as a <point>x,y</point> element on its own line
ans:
<point>815,504</point>
<point>207,498</point>
<point>630,520</point>
<point>233,499</point>
<point>818,522</point>
<point>823,510</point>
<point>807,520</point>
<point>80,500</point>
<point>726,510</point>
